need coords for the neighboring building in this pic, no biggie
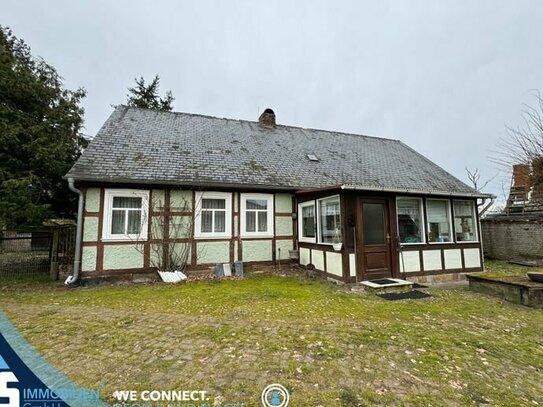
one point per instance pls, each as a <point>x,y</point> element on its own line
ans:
<point>255,191</point>
<point>517,232</point>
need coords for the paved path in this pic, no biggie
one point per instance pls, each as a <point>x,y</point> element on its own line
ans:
<point>50,376</point>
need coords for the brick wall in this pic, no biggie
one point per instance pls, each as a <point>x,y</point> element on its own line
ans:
<point>506,238</point>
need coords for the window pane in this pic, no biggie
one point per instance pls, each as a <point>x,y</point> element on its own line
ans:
<point>213,203</point>
<point>220,217</point>
<point>262,221</point>
<point>207,221</point>
<point>438,221</point>
<point>464,221</point>
<point>134,222</point>
<point>250,221</point>
<point>261,204</point>
<point>117,222</point>
<point>330,225</point>
<point>126,202</point>
<point>374,223</point>
<point>308,221</point>
<point>409,220</point>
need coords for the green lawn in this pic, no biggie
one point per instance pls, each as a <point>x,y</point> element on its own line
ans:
<point>328,346</point>
<point>501,268</point>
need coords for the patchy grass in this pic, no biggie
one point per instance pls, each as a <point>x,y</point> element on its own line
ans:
<point>329,347</point>
<point>502,268</point>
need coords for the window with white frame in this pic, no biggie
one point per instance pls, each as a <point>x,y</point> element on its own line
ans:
<point>307,222</point>
<point>256,214</point>
<point>213,217</point>
<point>438,213</point>
<point>329,220</point>
<point>410,223</point>
<point>465,225</point>
<point>125,214</point>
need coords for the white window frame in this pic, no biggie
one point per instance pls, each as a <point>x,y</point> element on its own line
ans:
<point>109,194</point>
<point>451,229</point>
<point>227,196</point>
<point>422,218</point>
<point>301,237</point>
<point>475,221</point>
<point>269,210</point>
<point>318,212</point>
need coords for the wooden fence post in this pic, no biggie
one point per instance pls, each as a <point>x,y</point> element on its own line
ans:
<point>53,270</point>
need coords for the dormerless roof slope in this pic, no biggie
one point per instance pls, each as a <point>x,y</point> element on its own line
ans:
<point>155,147</point>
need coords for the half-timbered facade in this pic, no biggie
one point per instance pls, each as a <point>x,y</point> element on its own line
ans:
<point>354,207</point>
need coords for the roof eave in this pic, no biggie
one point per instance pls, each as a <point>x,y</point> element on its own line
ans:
<point>83,178</point>
<point>416,191</point>
<point>297,190</point>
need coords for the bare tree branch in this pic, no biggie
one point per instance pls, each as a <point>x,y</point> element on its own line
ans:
<point>524,143</point>
<point>170,252</point>
<point>475,176</point>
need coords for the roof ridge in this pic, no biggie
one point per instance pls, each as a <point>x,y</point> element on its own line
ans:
<point>343,133</point>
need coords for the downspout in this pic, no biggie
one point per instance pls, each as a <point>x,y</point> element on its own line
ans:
<point>78,234</point>
<point>479,215</point>
<point>487,207</point>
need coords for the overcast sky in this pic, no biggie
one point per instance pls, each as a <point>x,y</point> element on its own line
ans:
<point>444,77</point>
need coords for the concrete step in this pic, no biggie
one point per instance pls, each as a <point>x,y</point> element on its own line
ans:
<point>387,285</point>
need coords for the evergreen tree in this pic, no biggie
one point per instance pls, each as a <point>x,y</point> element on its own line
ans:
<point>40,136</point>
<point>146,96</point>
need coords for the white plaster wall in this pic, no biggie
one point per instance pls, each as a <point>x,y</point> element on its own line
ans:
<point>318,259</point>
<point>472,258</point>
<point>88,258</point>
<point>333,264</point>
<point>352,265</point>
<point>453,259</point>
<point>304,256</point>
<point>431,260</point>
<point>285,246</point>
<point>410,261</point>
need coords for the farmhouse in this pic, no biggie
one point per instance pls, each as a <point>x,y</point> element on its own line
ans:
<point>354,207</point>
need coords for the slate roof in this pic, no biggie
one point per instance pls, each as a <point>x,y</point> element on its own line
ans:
<point>155,147</point>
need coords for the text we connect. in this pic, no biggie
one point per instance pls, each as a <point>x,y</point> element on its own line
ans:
<point>164,395</point>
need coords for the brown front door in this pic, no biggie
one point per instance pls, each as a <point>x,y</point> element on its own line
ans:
<point>374,247</point>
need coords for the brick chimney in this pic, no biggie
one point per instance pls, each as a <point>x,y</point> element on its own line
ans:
<point>520,189</point>
<point>267,119</point>
<point>521,175</point>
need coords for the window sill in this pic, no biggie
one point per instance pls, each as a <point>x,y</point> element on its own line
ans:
<point>257,236</point>
<point>140,239</point>
<point>214,237</point>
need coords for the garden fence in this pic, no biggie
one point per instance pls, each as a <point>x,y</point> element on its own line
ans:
<point>33,251</point>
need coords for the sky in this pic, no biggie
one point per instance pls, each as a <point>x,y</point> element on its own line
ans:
<point>443,77</point>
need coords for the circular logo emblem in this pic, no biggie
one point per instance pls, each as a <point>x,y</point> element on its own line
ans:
<point>275,395</point>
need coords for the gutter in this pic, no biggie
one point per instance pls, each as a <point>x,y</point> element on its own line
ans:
<point>78,234</point>
<point>414,191</point>
<point>175,183</point>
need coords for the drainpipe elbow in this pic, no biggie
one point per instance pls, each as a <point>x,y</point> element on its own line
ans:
<point>72,279</point>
